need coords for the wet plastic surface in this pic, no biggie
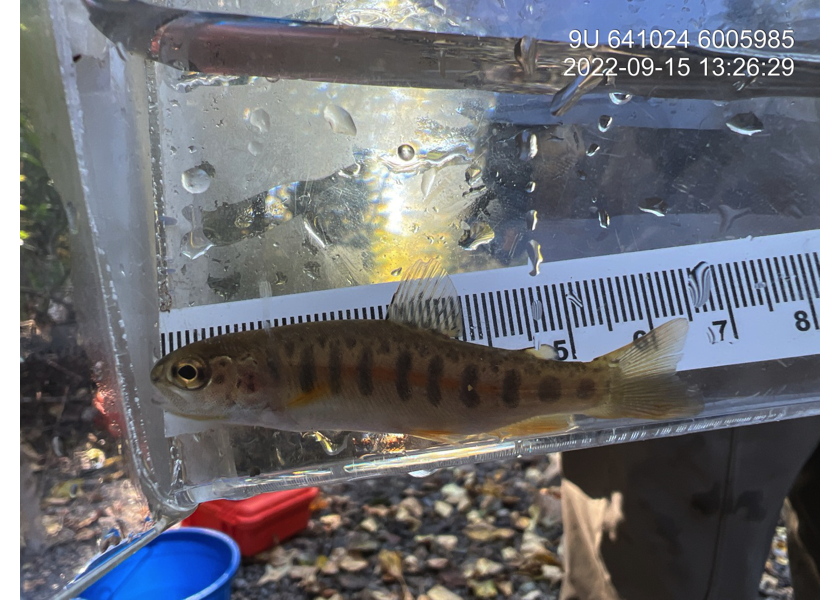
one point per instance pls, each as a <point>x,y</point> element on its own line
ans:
<point>244,188</point>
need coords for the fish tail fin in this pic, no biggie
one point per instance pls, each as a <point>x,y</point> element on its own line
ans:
<point>643,380</point>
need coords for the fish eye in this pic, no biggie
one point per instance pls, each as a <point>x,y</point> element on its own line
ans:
<point>189,374</point>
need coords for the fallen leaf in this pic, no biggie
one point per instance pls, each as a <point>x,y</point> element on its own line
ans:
<point>378,510</point>
<point>506,587</point>
<point>446,542</point>
<point>319,503</point>
<point>443,509</point>
<point>552,572</point>
<point>483,589</point>
<point>485,567</point>
<point>304,572</point>
<point>273,573</point>
<point>369,524</point>
<point>331,522</point>
<point>441,593</point>
<point>391,565</point>
<point>413,506</point>
<point>352,563</point>
<point>412,564</point>
<point>84,535</point>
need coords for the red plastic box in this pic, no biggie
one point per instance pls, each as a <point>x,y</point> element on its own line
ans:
<point>257,523</point>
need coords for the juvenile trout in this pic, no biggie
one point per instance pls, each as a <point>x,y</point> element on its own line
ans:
<point>392,377</point>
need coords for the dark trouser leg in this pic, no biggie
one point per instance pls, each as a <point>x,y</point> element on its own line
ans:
<point>803,525</point>
<point>699,510</point>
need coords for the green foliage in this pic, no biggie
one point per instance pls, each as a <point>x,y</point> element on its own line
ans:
<point>44,245</point>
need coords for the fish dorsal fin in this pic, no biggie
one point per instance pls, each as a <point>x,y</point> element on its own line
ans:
<point>545,352</point>
<point>426,298</point>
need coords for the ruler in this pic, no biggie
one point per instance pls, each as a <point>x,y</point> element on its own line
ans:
<point>747,300</point>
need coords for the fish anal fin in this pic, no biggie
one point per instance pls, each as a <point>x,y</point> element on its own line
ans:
<point>426,298</point>
<point>536,426</point>
<point>642,378</point>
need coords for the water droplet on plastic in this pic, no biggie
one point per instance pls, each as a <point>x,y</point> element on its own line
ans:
<point>604,123</point>
<point>340,120</point>
<point>280,278</point>
<point>195,180</point>
<point>700,284</point>
<point>312,269</point>
<point>593,149</point>
<point>406,152</point>
<point>421,473</point>
<point>574,300</point>
<point>176,479</point>
<point>655,206</point>
<point>473,175</point>
<point>728,215</point>
<point>745,124</point>
<point>532,185</point>
<point>255,147</point>
<point>192,149</point>
<point>531,220</point>
<point>195,244</point>
<point>525,53</point>
<point>479,234</point>
<point>760,285</point>
<point>535,256</point>
<point>527,143</point>
<point>72,214</point>
<point>619,98</point>
<point>603,218</point>
<point>536,310</point>
<point>260,119</point>
<point>427,181</point>
<point>167,221</point>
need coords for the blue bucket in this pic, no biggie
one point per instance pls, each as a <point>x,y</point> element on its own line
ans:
<point>189,563</point>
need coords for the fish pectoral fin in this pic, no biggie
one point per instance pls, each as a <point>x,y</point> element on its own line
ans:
<point>642,378</point>
<point>545,352</point>
<point>309,397</point>
<point>536,426</point>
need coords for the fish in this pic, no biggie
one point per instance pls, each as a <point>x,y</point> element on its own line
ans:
<point>408,374</point>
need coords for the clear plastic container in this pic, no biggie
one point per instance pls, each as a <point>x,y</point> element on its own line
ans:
<point>194,191</point>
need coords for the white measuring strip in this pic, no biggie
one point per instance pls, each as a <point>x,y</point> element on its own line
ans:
<point>762,302</point>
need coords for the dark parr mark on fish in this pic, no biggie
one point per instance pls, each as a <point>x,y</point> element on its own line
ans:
<point>403,370</point>
<point>469,379</point>
<point>510,388</point>
<point>306,375</point>
<point>219,380</point>
<point>289,346</point>
<point>335,369</point>
<point>384,346</point>
<point>433,380</point>
<point>350,342</point>
<point>272,366</point>
<point>586,389</point>
<point>365,372</point>
<point>549,389</point>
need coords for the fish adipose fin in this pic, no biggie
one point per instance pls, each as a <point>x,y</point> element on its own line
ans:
<point>642,378</point>
<point>426,298</point>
